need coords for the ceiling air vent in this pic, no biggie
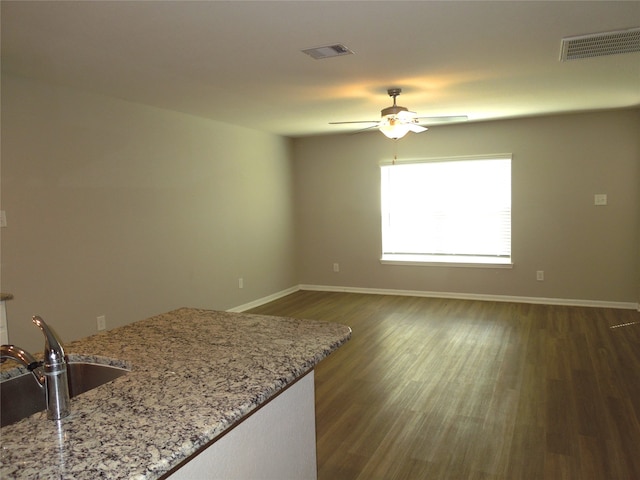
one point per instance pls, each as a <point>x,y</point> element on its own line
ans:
<point>600,44</point>
<point>328,51</point>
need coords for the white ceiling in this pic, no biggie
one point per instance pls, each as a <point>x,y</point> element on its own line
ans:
<point>241,62</point>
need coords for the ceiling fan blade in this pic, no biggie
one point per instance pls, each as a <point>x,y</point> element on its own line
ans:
<point>362,130</point>
<point>443,119</point>
<point>406,115</point>
<point>415,128</point>
<point>357,121</point>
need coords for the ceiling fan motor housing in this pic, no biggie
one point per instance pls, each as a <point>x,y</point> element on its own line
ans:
<point>393,110</point>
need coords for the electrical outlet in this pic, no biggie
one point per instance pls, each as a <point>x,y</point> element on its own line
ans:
<point>336,267</point>
<point>102,323</point>
<point>3,218</point>
<point>600,199</point>
<point>240,282</point>
<point>540,275</point>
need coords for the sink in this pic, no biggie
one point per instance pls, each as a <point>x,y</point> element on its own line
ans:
<point>22,396</point>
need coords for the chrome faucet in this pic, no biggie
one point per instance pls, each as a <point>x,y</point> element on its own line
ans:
<point>51,373</point>
<point>55,372</point>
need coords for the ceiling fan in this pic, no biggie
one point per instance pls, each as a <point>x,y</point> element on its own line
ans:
<point>397,121</point>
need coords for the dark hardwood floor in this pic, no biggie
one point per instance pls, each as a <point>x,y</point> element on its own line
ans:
<point>454,389</point>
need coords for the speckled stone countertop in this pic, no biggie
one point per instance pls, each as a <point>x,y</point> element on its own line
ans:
<point>194,373</point>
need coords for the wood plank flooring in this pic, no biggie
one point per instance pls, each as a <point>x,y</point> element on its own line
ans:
<point>454,389</point>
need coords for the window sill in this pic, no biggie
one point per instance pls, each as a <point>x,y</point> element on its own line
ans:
<point>449,261</point>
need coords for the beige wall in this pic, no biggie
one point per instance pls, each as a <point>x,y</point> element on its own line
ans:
<point>587,252</point>
<point>123,210</point>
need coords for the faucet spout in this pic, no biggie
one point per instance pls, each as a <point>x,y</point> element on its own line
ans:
<point>55,372</point>
<point>19,355</point>
<point>53,351</point>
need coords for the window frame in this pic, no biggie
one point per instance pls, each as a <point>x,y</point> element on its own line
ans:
<point>450,260</point>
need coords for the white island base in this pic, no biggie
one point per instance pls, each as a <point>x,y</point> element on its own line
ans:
<point>276,442</point>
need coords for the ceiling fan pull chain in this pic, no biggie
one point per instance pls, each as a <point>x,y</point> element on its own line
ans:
<point>395,151</point>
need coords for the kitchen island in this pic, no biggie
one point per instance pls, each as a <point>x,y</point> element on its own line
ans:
<point>195,376</point>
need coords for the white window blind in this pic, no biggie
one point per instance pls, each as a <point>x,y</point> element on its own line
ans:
<point>447,210</point>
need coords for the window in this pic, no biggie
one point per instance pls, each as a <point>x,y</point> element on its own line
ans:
<point>454,210</point>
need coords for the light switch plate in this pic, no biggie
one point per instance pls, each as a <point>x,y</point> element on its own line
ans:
<point>3,218</point>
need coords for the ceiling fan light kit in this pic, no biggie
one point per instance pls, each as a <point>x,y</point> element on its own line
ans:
<point>395,127</point>
<point>394,130</point>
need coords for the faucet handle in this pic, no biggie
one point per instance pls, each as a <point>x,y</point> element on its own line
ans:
<point>53,351</point>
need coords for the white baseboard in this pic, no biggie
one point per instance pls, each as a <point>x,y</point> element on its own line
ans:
<point>263,300</point>
<point>475,296</point>
<point>454,295</point>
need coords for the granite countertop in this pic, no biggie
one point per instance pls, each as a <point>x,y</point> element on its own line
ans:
<point>194,373</point>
